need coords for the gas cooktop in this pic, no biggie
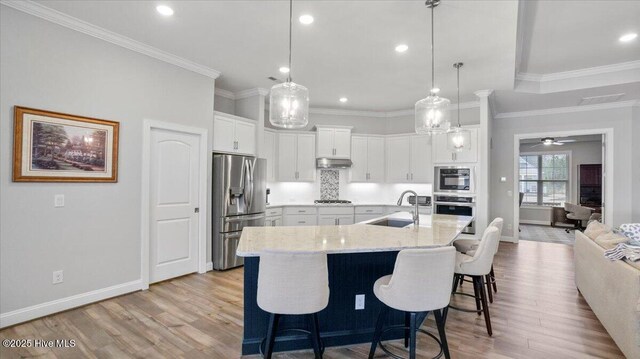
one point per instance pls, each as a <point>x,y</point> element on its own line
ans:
<point>331,201</point>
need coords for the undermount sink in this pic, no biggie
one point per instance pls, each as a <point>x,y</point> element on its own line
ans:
<point>391,222</point>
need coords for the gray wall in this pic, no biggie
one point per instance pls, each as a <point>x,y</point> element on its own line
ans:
<point>588,152</point>
<point>95,238</point>
<point>636,163</point>
<point>502,155</point>
<point>225,105</point>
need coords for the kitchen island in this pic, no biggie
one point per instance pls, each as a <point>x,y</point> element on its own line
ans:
<point>357,256</point>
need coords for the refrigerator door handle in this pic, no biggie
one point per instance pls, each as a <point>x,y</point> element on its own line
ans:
<point>243,218</point>
<point>248,184</point>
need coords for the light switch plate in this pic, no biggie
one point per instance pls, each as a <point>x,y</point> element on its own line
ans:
<point>58,277</point>
<point>359,301</point>
<point>58,200</point>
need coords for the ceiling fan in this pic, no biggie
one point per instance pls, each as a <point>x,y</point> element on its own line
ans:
<point>548,141</point>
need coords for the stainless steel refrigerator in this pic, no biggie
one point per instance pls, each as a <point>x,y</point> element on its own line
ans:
<point>239,186</point>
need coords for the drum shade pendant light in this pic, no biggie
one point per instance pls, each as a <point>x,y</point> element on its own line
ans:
<point>432,112</point>
<point>458,137</point>
<point>289,101</point>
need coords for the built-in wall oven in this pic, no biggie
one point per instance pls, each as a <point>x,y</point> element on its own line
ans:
<point>457,205</point>
<point>455,179</point>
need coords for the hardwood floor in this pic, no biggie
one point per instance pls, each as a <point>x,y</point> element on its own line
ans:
<point>537,313</point>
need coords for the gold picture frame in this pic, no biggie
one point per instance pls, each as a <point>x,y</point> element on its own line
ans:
<point>57,147</point>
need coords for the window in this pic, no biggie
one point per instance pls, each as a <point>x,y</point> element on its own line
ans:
<point>544,178</point>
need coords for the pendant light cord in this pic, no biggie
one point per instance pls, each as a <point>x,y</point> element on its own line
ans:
<point>433,72</point>
<point>458,86</point>
<point>290,26</point>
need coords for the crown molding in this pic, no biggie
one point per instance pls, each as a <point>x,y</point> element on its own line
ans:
<point>559,110</point>
<point>381,114</point>
<point>616,74</point>
<point>251,92</point>
<point>62,19</point>
<point>590,71</point>
<point>225,93</point>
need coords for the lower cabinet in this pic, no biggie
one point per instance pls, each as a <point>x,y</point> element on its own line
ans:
<point>300,216</point>
<point>334,220</point>
<point>365,213</point>
<point>275,221</point>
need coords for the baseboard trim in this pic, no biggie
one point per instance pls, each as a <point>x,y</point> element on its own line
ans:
<point>209,266</point>
<point>542,223</point>
<point>59,305</point>
<point>507,239</point>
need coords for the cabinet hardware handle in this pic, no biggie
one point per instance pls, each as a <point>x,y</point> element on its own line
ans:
<point>301,211</point>
<point>369,210</point>
<point>196,210</point>
<point>302,221</point>
<point>407,176</point>
<point>335,221</point>
<point>412,176</point>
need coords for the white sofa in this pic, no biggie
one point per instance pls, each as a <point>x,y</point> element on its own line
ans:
<point>612,290</point>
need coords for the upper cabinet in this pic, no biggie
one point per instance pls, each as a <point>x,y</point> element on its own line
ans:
<point>234,134</point>
<point>270,154</point>
<point>409,159</point>
<point>296,157</point>
<point>367,155</point>
<point>444,153</point>
<point>333,142</point>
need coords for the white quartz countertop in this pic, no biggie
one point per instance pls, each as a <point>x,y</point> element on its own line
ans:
<point>276,205</point>
<point>434,231</point>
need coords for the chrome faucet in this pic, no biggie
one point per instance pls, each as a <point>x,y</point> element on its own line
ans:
<point>415,212</point>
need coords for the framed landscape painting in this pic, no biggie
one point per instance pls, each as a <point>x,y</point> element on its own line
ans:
<point>56,147</point>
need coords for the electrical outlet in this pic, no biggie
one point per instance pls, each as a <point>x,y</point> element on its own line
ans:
<point>58,277</point>
<point>58,200</point>
<point>359,301</point>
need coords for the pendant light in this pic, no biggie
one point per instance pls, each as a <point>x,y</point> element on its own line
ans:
<point>289,101</point>
<point>458,137</point>
<point>432,112</point>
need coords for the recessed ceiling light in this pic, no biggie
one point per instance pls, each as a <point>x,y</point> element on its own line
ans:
<point>284,70</point>
<point>435,90</point>
<point>343,99</point>
<point>402,48</point>
<point>164,10</point>
<point>628,37</point>
<point>306,19</point>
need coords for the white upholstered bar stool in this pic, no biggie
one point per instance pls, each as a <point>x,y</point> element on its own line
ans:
<point>421,283</point>
<point>478,267</point>
<point>293,284</point>
<point>468,246</point>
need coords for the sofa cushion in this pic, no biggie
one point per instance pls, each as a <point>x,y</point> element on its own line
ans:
<point>609,240</point>
<point>594,229</point>
<point>631,230</point>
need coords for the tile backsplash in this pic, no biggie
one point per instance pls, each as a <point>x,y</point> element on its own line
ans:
<point>329,184</point>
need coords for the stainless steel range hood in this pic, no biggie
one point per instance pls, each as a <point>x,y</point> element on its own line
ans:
<point>333,163</point>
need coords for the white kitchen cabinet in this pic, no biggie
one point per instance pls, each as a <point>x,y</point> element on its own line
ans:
<point>365,213</point>
<point>398,159</point>
<point>333,142</point>
<point>421,160</point>
<point>275,221</point>
<point>335,215</point>
<point>300,220</point>
<point>443,152</point>
<point>367,155</point>
<point>270,154</point>
<point>408,159</point>
<point>296,157</point>
<point>233,134</point>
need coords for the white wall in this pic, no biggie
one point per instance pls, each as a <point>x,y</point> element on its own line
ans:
<point>225,105</point>
<point>95,238</point>
<point>502,155</point>
<point>635,164</point>
<point>588,152</point>
<point>361,124</point>
<point>406,124</point>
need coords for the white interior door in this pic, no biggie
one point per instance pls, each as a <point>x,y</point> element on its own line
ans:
<point>174,197</point>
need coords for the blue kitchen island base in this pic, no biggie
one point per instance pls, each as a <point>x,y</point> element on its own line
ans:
<point>340,324</point>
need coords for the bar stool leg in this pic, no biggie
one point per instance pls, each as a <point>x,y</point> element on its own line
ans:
<point>476,293</point>
<point>489,290</point>
<point>271,334</point>
<point>440,322</point>
<point>407,322</point>
<point>485,306</point>
<point>378,332</point>
<point>412,340</point>
<point>493,280</point>
<point>315,335</point>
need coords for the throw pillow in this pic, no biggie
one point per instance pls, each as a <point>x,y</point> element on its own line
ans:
<point>631,230</point>
<point>609,240</point>
<point>594,229</point>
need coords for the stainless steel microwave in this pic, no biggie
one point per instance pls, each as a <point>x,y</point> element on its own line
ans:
<point>455,179</point>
